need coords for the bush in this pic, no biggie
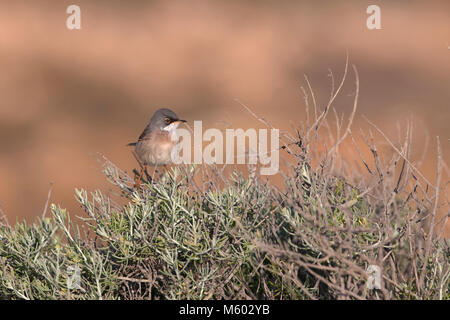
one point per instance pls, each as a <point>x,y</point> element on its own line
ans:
<point>192,233</point>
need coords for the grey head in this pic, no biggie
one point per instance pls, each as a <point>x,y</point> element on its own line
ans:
<point>161,119</point>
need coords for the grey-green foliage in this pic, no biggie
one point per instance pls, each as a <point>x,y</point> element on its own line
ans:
<point>172,239</point>
<point>36,262</point>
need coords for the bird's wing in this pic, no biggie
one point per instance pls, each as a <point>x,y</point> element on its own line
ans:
<point>143,136</point>
<point>145,133</point>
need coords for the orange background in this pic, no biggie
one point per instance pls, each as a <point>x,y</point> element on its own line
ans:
<point>66,95</point>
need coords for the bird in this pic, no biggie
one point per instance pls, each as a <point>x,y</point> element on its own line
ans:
<point>155,144</point>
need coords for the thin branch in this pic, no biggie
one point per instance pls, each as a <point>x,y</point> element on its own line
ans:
<point>352,115</point>
<point>399,152</point>
<point>433,215</point>
<point>44,212</point>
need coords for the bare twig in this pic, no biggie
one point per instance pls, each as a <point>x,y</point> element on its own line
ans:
<point>44,212</point>
<point>400,153</point>
<point>433,216</point>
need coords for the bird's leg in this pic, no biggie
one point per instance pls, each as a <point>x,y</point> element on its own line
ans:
<point>138,182</point>
<point>154,171</point>
<point>149,178</point>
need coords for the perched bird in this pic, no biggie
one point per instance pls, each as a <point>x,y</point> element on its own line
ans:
<point>155,144</point>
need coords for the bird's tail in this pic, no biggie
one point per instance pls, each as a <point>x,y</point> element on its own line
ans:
<point>132,144</point>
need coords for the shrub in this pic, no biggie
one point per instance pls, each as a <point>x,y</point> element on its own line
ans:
<point>193,233</point>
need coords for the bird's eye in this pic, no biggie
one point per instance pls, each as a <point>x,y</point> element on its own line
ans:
<point>167,120</point>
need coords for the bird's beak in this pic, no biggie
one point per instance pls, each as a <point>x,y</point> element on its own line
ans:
<point>181,120</point>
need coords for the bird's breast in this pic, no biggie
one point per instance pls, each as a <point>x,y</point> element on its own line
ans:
<point>156,148</point>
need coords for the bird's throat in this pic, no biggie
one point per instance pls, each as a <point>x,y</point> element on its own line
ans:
<point>172,129</point>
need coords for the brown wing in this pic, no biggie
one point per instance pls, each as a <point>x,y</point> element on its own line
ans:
<point>144,134</point>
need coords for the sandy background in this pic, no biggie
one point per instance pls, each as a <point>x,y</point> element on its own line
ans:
<point>66,95</point>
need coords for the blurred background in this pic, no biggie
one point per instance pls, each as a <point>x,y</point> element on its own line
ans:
<point>67,94</point>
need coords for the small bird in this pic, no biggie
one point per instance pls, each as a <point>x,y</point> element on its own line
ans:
<point>155,144</point>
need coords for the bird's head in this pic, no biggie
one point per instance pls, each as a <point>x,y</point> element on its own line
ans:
<point>165,119</point>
